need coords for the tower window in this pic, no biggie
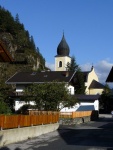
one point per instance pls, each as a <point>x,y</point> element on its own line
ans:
<point>60,63</point>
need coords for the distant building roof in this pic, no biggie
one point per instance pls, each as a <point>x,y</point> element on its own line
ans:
<point>39,77</point>
<point>87,98</point>
<point>96,85</point>
<point>110,76</point>
<point>86,108</point>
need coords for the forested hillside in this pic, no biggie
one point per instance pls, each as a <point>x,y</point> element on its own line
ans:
<point>18,41</point>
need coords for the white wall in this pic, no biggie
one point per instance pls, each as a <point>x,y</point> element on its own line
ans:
<point>19,88</point>
<point>19,104</point>
<point>91,76</point>
<point>64,60</point>
<point>70,109</point>
<point>96,104</point>
<point>71,89</point>
<point>95,91</point>
<point>75,107</point>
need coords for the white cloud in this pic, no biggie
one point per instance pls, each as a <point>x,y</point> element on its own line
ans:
<point>51,66</point>
<point>86,67</point>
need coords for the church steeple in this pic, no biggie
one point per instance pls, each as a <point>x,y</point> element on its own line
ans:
<point>62,57</point>
<point>63,48</point>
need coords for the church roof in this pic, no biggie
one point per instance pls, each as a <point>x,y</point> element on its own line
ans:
<point>40,77</point>
<point>96,85</point>
<point>63,48</point>
<point>110,76</point>
<point>87,98</point>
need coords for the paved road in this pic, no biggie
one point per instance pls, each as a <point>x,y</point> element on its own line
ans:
<point>88,136</point>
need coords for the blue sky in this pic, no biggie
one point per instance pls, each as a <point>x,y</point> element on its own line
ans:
<point>87,26</point>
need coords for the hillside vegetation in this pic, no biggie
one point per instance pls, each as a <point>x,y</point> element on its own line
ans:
<point>21,46</point>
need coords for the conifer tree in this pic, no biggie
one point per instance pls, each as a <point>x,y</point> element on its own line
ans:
<point>32,43</point>
<point>79,78</point>
<point>17,18</point>
<point>73,65</point>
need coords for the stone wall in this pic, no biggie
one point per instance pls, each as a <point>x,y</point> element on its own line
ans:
<point>71,121</point>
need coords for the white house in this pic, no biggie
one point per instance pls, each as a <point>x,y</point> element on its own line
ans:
<point>23,79</point>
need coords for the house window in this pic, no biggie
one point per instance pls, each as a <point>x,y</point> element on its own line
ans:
<point>60,63</point>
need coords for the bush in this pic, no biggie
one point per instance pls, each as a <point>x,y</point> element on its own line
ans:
<point>4,109</point>
<point>24,109</point>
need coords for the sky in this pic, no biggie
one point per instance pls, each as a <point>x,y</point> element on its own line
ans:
<point>87,27</point>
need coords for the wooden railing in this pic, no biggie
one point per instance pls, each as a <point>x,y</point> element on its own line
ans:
<point>76,114</point>
<point>17,121</point>
<point>36,112</point>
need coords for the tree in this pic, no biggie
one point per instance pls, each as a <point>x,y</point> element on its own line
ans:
<point>49,96</point>
<point>32,43</point>
<point>106,100</point>
<point>79,77</point>
<point>17,20</point>
<point>4,108</point>
<point>73,65</point>
<point>79,85</point>
<point>20,45</point>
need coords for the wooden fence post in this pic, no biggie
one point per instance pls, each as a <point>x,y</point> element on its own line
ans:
<point>72,114</point>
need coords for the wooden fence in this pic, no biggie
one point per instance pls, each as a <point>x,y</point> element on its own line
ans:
<point>17,121</point>
<point>38,118</point>
<point>37,112</point>
<point>76,114</point>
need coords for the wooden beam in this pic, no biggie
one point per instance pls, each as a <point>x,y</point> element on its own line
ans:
<point>4,54</point>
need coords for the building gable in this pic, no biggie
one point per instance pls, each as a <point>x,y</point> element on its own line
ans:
<point>110,76</point>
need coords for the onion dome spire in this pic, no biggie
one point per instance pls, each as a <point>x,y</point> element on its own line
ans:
<point>63,48</point>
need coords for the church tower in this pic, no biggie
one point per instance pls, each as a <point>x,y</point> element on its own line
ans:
<point>62,57</point>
